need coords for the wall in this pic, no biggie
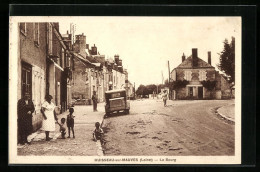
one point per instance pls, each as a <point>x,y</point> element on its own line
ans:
<point>79,80</point>
<point>195,74</point>
<point>194,79</point>
<point>34,55</point>
<point>225,89</point>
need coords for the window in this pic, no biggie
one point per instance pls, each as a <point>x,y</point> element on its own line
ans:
<point>202,75</point>
<point>187,75</point>
<point>36,33</point>
<point>23,28</point>
<point>49,38</point>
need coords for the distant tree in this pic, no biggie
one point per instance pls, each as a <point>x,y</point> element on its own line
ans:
<point>227,59</point>
<point>140,90</point>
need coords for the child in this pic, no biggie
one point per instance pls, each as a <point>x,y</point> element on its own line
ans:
<point>97,133</point>
<point>70,122</point>
<point>62,128</point>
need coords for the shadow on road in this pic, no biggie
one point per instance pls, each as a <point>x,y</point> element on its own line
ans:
<point>115,114</point>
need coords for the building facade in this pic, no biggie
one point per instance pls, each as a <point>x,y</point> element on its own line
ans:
<point>42,62</point>
<point>94,73</point>
<point>32,65</point>
<point>197,79</point>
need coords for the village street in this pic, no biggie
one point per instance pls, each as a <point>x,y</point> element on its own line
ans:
<point>81,145</point>
<point>182,128</point>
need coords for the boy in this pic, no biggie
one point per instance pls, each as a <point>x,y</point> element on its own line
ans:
<point>97,133</point>
<point>62,128</point>
<point>70,122</point>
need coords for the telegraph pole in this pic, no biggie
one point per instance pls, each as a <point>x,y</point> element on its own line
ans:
<point>162,78</point>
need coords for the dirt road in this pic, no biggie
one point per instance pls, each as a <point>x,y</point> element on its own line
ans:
<point>182,128</point>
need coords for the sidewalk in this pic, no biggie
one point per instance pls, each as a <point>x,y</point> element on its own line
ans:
<point>84,124</point>
<point>227,112</point>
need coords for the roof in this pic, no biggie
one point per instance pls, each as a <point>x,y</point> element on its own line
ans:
<point>97,64</point>
<point>114,91</point>
<point>81,58</point>
<point>187,64</point>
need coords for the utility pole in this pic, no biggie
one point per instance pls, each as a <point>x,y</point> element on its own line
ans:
<point>162,78</point>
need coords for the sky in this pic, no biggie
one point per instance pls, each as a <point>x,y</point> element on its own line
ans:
<point>146,44</point>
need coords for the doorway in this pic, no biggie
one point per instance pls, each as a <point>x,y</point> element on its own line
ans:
<point>26,79</point>
<point>190,91</point>
<point>200,92</point>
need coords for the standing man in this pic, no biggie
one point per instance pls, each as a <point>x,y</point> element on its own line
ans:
<point>94,99</point>
<point>164,96</point>
<point>25,110</point>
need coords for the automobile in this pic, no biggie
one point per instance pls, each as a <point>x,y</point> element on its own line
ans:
<point>116,100</point>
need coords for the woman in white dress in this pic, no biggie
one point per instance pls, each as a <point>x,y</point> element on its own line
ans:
<point>48,123</point>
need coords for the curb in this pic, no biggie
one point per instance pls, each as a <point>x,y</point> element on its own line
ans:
<point>229,120</point>
<point>100,150</point>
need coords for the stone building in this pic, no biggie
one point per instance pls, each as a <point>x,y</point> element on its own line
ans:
<point>32,57</point>
<point>42,66</point>
<point>196,72</point>
<point>94,73</point>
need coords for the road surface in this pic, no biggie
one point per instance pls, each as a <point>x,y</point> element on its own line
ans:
<point>182,128</point>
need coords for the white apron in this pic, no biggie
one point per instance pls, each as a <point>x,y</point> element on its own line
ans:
<point>49,123</point>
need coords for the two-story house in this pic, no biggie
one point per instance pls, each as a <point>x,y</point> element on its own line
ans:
<point>196,79</point>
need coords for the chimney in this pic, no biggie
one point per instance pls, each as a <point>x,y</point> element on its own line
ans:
<point>209,57</point>
<point>87,46</point>
<point>116,59</point>
<point>194,57</point>
<point>183,57</point>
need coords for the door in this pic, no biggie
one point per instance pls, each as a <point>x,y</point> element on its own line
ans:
<point>27,84</point>
<point>190,91</point>
<point>58,98</point>
<point>200,92</point>
<point>26,79</point>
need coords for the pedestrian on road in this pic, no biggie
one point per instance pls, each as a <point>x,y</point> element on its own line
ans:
<point>25,110</point>
<point>62,128</point>
<point>49,115</point>
<point>70,122</point>
<point>164,96</point>
<point>94,99</point>
<point>97,133</point>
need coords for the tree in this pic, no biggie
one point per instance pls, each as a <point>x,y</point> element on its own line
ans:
<point>179,84</point>
<point>210,85</point>
<point>227,59</point>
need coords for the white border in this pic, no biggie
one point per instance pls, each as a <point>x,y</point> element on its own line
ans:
<point>14,159</point>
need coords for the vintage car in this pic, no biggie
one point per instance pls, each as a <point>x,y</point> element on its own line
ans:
<point>116,100</point>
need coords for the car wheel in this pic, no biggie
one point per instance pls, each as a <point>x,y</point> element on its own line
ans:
<point>127,111</point>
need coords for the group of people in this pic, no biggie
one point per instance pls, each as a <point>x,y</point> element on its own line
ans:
<point>26,109</point>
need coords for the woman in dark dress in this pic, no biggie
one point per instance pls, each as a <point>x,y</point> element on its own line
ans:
<point>25,111</point>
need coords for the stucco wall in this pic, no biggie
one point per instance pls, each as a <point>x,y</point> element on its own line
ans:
<point>79,89</point>
<point>34,55</point>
